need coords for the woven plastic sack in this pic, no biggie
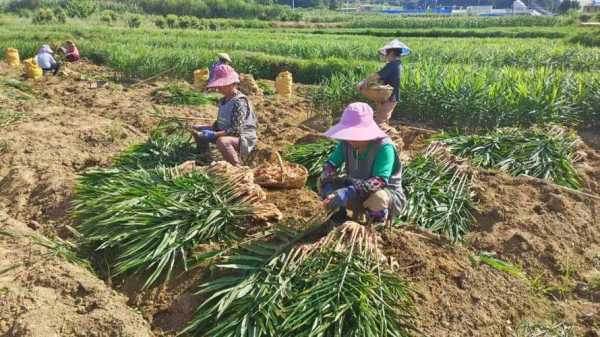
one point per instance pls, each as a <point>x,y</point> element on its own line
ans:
<point>32,70</point>
<point>281,174</point>
<point>284,84</point>
<point>378,93</point>
<point>200,78</point>
<point>248,85</point>
<point>12,57</point>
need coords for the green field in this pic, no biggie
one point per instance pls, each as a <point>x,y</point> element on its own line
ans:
<point>495,74</point>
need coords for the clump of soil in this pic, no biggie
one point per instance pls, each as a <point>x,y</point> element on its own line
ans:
<point>42,295</point>
<point>541,226</point>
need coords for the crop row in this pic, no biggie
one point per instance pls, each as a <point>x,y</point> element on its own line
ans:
<point>476,98</point>
<point>478,33</point>
<point>296,47</point>
<point>391,21</point>
<point>432,89</point>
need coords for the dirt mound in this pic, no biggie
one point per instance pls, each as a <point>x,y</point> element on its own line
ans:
<point>542,227</point>
<point>45,296</point>
<point>46,151</point>
<point>69,124</point>
<point>456,298</point>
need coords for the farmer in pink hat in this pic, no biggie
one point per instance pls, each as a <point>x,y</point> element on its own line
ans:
<point>373,169</point>
<point>234,131</point>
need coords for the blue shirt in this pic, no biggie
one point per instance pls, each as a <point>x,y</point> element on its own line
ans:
<point>45,60</point>
<point>390,75</point>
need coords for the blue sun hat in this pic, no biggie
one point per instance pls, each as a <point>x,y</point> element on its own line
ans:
<point>395,44</point>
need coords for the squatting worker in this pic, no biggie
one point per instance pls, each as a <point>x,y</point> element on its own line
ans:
<point>71,52</point>
<point>390,75</point>
<point>222,58</point>
<point>234,132</point>
<point>373,183</point>
<point>46,61</point>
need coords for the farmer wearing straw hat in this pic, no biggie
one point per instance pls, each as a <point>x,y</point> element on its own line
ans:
<point>222,58</point>
<point>234,132</point>
<point>390,75</point>
<point>46,61</point>
<point>373,181</point>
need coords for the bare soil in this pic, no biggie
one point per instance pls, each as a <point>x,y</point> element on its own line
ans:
<point>42,295</point>
<point>79,120</point>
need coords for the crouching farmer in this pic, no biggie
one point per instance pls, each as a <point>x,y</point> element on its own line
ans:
<point>372,184</point>
<point>46,61</point>
<point>234,132</point>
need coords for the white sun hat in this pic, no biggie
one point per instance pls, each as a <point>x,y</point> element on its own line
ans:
<point>395,44</point>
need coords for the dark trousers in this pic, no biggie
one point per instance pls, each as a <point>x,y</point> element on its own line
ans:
<point>54,69</point>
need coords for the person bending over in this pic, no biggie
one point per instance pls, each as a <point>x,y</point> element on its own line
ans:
<point>46,61</point>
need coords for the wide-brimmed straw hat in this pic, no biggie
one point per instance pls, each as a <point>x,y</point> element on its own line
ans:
<point>395,44</point>
<point>223,75</point>
<point>356,124</point>
<point>224,56</point>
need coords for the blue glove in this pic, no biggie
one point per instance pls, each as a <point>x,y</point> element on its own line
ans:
<point>326,189</point>
<point>341,196</point>
<point>208,135</point>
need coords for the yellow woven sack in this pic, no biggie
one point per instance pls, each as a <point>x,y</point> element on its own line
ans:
<point>248,85</point>
<point>32,70</point>
<point>284,84</point>
<point>200,78</point>
<point>12,57</point>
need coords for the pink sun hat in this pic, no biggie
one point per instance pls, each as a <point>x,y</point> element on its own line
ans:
<point>356,124</point>
<point>223,75</point>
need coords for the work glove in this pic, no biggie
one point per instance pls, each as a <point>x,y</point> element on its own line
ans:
<point>208,135</point>
<point>340,197</point>
<point>325,188</point>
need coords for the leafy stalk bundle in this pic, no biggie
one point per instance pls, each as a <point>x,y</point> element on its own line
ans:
<point>546,153</point>
<point>335,287</point>
<point>178,95</point>
<point>312,156</point>
<point>169,144</point>
<point>438,195</point>
<point>151,219</point>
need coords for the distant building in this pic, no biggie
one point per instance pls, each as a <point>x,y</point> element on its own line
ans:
<point>584,3</point>
<point>590,6</point>
<point>518,8</point>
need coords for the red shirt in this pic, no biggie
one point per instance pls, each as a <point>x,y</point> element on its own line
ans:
<point>72,53</point>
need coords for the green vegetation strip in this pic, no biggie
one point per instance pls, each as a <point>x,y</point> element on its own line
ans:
<point>490,259</point>
<point>546,153</point>
<point>447,33</point>
<point>334,287</point>
<point>476,98</point>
